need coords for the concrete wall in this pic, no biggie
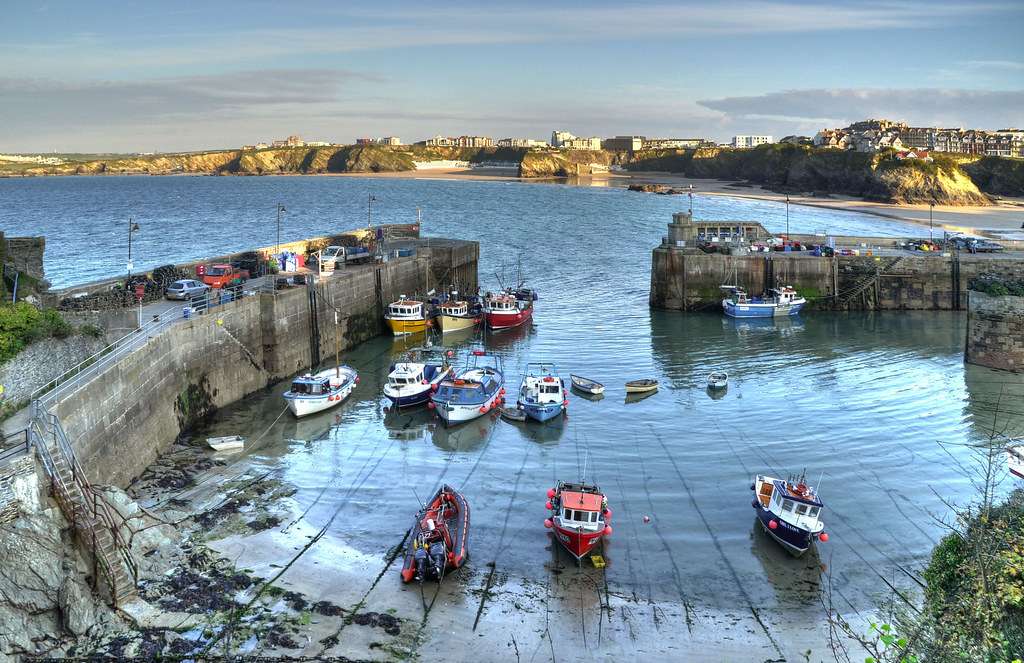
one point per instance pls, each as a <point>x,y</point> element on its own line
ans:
<point>687,279</point>
<point>24,254</point>
<point>995,331</point>
<point>121,420</point>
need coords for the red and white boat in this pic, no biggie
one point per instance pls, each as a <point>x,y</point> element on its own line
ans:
<point>508,309</point>
<point>580,517</point>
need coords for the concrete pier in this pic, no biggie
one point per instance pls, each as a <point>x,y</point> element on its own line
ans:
<point>882,277</point>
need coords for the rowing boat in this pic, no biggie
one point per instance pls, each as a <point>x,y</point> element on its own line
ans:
<point>586,385</point>
<point>641,386</point>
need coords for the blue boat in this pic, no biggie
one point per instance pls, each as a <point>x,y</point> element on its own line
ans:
<point>411,382</point>
<point>472,392</point>
<point>789,511</point>
<point>542,393</point>
<point>777,303</point>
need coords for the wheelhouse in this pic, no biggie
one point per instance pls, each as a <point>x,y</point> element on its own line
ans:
<point>405,309</point>
<point>796,504</point>
<point>455,308</point>
<point>581,508</point>
<point>308,385</point>
<point>503,304</point>
<point>405,375</point>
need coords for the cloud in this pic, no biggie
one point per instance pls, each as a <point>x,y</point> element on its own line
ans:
<point>807,110</point>
<point>1003,65</point>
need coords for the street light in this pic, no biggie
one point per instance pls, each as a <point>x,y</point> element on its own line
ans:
<point>369,199</point>
<point>690,194</point>
<point>931,206</point>
<point>280,209</point>
<point>132,228</point>
<point>787,216</point>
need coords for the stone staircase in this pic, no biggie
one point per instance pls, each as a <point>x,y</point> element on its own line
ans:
<point>844,298</point>
<point>94,521</point>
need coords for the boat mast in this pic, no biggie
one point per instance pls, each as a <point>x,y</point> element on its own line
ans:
<point>337,346</point>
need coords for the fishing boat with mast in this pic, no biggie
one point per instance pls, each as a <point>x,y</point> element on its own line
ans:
<point>472,392</point>
<point>776,303</point>
<point>542,393</point>
<point>789,511</point>
<point>411,382</point>
<point>439,540</point>
<point>316,392</point>
<point>510,307</point>
<point>407,316</point>
<point>455,314</point>
<point>580,517</point>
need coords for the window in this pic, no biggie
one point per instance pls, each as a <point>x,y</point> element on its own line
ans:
<point>801,509</point>
<point>787,505</point>
<point>593,516</point>
<point>813,513</point>
<point>568,514</point>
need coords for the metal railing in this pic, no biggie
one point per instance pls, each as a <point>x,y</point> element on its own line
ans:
<point>14,445</point>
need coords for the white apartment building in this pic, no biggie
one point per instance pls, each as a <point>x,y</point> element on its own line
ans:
<point>751,141</point>
<point>559,137</point>
<point>574,143</point>
<point>389,140</point>
<point>521,142</point>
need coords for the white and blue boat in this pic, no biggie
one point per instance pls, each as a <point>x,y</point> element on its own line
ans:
<point>311,393</point>
<point>472,391</point>
<point>776,303</point>
<point>411,382</point>
<point>542,393</point>
<point>789,511</point>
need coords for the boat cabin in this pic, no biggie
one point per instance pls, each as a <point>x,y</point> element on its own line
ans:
<point>797,504</point>
<point>455,308</point>
<point>406,374</point>
<point>405,309</point>
<point>308,385</point>
<point>580,509</point>
<point>505,304</point>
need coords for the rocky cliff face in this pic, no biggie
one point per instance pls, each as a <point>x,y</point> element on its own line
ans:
<point>568,163</point>
<point>997,176</point>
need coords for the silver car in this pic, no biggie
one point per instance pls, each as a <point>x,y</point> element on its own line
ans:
<point>186,289</point>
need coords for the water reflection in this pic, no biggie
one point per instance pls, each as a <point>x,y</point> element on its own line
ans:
<point>716,394</point>
<point>795,580</point>
<point>463,437</point>
<point>409,424</point>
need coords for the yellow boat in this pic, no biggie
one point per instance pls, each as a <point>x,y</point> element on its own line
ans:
<point>454,316</point>
<point>406,316</point>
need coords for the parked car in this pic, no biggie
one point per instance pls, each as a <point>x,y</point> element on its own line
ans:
<point>186,289</point>
<point>985,246</point>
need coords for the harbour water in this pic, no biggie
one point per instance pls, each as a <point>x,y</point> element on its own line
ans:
<point>878,408</point>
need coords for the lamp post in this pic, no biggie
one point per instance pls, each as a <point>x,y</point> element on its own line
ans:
<point>787,217</point>
<point>132,228</point>
<point>690,194</point>
<point>369,199</point>
<point>931,234</point>
<point>280,210</point>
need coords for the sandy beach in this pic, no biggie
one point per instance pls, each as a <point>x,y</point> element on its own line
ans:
<point>1003,220</point>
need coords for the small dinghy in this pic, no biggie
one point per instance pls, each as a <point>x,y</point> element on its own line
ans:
<point>641,386</point>
<point>579,518</point>
<point>789,511</point>
<point>226,443</point>
<point>586,385</point>
<point>718,380</point>
<point>512,414</point>
<point>439,539</point>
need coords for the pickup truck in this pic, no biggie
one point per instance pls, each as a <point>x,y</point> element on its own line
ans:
<point>224,276</point>
<point>357,254</point>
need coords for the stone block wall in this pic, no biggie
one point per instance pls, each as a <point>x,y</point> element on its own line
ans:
<point>995,331</point>
<point>19,488</point>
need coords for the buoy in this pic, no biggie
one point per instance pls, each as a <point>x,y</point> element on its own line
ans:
<point>433,387</point>
<point>220,321</point>
<point>357,379</point>
<point>608,513</point>
<point>551,493</point>
<point>565,403</point>
<point>547,505</point>
<point>823,537</point>
<point>502,392</point>
<point>772,524</point>
<point>450,354</point>
<point>647,519</point>
<point>430,405</point>
<point>548,523</point>
<point>607,530</point>
<point>423,382</point>
<point>483,409</point>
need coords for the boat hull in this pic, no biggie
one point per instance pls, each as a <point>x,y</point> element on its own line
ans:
<point>541,412</point>
<point>579,543</point>
<point>586,386</point>
<point>795,540</point>
<point>641,389</point>
<point>457,413</point>
<point>406,327</point>
<point>302,406</point>
<point>751,310</point>
<point>420,396</point>
<point>508,320</point>
<point>451,323</point>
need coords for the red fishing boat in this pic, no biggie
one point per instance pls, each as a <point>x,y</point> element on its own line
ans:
<point>508,309</point>
<point>580,517</point>
<point>439,539</point>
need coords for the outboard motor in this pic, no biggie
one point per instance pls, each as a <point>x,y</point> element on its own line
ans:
<point>437,558</point>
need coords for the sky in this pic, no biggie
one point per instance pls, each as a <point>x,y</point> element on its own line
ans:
<point>145,76</point>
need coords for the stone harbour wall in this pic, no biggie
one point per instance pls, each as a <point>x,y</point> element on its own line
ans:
<point>995,331</point>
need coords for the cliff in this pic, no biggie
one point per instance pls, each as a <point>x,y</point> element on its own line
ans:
<point>997,175</point>
<point>566,163</point>
<point>800,168</point>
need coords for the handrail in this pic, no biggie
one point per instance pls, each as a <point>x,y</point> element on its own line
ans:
<point>9,449</point>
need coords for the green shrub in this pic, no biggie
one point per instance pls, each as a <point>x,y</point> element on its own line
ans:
<point>22,324</point>
<point>92,331</point>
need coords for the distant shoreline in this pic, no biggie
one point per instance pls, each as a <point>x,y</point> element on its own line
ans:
<point>994,220</point>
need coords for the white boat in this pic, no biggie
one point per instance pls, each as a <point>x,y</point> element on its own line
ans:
<point>320,391</point>
<point>1015,460</point>
<point>226,443</point>
<point>586,385</point>
<point>718,380</point>
<point>542,393</point>
<point>411,382</point>
<point>472,392</point>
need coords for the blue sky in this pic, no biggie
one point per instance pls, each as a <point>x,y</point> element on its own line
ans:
<point>123,76</point>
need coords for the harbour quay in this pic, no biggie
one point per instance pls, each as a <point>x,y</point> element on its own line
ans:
<point>688,270</point>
